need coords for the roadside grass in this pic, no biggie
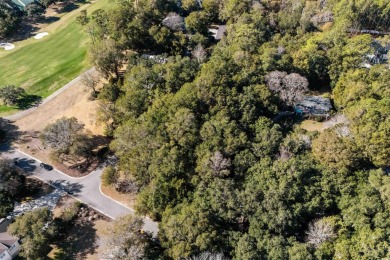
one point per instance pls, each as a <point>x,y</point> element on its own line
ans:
<point>43,66</point>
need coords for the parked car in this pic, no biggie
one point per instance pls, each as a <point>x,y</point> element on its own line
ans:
<point>45,166</point>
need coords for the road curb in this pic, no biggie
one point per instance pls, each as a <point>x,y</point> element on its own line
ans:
<point>74,178</point>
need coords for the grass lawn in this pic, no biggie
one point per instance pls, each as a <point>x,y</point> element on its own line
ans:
<point>43,66</point>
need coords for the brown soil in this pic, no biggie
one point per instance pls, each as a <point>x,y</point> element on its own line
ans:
<point>311,125</point>
<point>73,102</point>
<point>126,199</point>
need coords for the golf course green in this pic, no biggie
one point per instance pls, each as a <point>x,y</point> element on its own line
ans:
<point>43,66</point>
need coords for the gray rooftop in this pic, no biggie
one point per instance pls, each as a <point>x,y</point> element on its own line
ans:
<point>315,105</point>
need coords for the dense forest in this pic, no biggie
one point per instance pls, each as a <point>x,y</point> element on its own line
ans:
<point>195,123</point>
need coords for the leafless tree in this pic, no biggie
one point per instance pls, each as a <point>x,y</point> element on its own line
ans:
<point>91,79</point>
<point>122,239</point>
<point>290,87</point>
<point>320,231</point>
<point>220,165</point>
<point>209,256</point>
<point>321,18</point>
<point>174,22</point>
<point>62,134</point>
<point>274,80</point>
<point>199,53</point>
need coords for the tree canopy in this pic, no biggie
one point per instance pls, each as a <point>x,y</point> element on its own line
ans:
<point>198,126</point>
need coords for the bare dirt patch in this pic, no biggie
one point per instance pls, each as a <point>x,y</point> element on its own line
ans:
<point>311,125</point>
<point>126,199</point>
<point>73,102</point>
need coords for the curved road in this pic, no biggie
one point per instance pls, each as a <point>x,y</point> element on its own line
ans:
<point>86,189</point>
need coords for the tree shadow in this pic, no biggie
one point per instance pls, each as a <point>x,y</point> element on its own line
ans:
<point>28,101</point>
<point>26,30</point>
<point>27,165</point>
<point>8,134</point>
<point>71,188</point>
<point>81,240</point>
<point>48,19</point>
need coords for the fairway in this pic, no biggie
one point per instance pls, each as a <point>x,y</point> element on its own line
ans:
<point>43,66</point>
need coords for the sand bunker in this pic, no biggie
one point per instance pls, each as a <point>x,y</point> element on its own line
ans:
<point>41,35</point>
<point>7,46</point>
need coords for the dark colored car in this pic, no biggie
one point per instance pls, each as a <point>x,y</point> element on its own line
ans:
<point>45,166</point>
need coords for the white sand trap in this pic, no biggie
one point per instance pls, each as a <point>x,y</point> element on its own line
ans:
<point>7,46</point>
<point>41,35</point>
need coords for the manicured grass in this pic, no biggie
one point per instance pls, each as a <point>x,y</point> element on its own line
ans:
<point>43,66</point>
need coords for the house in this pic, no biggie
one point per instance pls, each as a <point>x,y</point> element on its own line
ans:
<point>379,56</point>
<point>21,4</point>
<point>314,106</point>
<point>218,31</point>
<point>9,245</point>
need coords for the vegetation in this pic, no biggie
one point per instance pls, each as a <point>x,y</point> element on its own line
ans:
<point>110,176</point>
<point>66,136</point>
<point>10,94</point>
<point>42,67</point>
<point>196,134</point>
<point>11,16</point>
<point>11,184</point>
<point>123,240</point>
<point>35,229</point>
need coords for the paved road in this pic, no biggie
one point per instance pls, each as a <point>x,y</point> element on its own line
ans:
<point>86,189</point>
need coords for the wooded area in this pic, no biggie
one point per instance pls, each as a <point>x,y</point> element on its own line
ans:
<point>191,122</point>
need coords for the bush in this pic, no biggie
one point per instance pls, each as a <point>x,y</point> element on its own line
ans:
<point>110,176</point>
<point>70,211</point>
<point>6,204</point>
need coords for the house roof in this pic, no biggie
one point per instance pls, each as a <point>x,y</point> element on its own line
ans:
<point>3,248</point>
<point>221,32</point>
<point>315,104</point>
<point>22,3</point>
<point>6,240</point>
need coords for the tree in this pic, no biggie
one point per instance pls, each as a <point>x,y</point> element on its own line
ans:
<point>123,239</point>
<point>35,229</point>
<point>290,87</point>
<point>371,127</point>
<point>11,179</point>
<point>198,22</point>
<point>107,57</point>
<point>199,53</point>
<point>320,231</point>
<point>110,176</point>
<point>11,94</point>
<point>91,79</point>
<point>334,151</point>
<point>34,10</point>
<point>6,204</point>
<point>83,18</point>
<point>62,134</point>
<point>191,5</point>
<point>208,256</point>
<point>174,22</point>
<point>10,18</point>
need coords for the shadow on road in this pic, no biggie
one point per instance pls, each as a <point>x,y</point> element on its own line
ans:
<point>68,187</point>
<point>28,165</point>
